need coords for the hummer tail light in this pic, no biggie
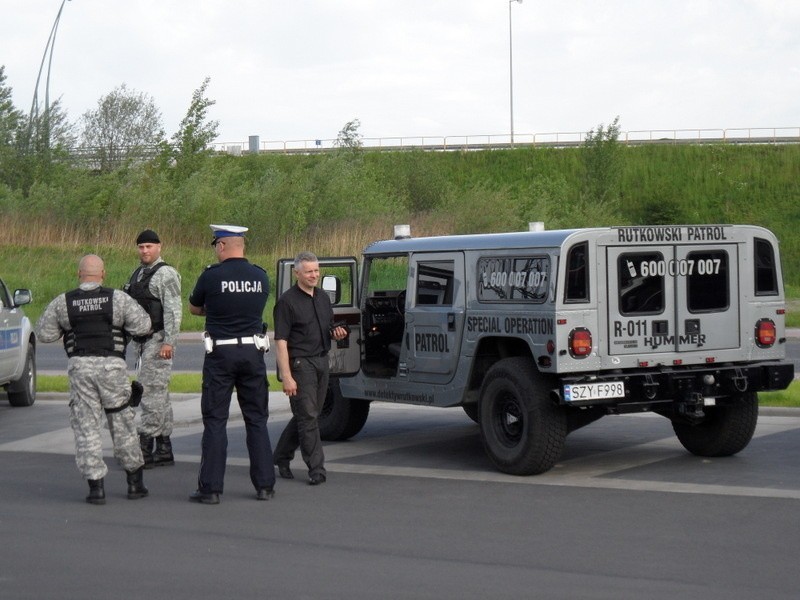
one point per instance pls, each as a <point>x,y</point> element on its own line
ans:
<point>765,333</point>
<point>580,342</point>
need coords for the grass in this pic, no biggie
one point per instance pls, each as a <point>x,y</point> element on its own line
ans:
<point>180,383</point>
<point>190,383</point>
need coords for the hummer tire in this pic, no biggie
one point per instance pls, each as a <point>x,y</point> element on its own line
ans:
<point>341,418</point>
<point>523,431</point>
<point>725,430</point>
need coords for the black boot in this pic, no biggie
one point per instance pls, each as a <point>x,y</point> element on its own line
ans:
<point>146,443</point>
<point>163,455</point>
<point>97,495</point>
<point>136,487</point>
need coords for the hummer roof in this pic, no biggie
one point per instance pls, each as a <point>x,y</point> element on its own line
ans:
<point>482,241</point>
<point>634,234</point>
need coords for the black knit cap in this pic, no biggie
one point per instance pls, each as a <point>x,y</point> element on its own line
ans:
<point>148,236</point>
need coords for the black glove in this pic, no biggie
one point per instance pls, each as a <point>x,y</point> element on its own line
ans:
<point>137,389</point>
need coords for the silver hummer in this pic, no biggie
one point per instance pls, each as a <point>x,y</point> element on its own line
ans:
<point>535,334</point>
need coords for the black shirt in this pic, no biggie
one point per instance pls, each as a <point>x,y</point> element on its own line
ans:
<point>304,321</point>
<point>234,294</point>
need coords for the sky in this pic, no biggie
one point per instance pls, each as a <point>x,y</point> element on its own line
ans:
<point>300,70</point>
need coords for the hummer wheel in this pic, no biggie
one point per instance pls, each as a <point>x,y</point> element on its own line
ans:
<point>341,418</point>
<point>523,431</point>
<point>725,430</point>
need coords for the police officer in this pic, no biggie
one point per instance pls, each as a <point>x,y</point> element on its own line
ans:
<point>94,321</point>
<point>232,295</point>
<point>304,327</point>
<point>156,286</point>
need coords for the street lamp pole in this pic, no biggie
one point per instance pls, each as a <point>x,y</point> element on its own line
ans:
<point>51,41</point>
<point>511,70</point>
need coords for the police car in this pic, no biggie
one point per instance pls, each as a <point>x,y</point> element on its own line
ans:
<point>535,334</point>
<point>17,348</point>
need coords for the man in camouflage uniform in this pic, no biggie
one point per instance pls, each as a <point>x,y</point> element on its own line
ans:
<point>157,288</point>
<point>95,321</point>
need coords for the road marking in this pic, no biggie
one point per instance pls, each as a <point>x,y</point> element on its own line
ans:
<point>588,470</point>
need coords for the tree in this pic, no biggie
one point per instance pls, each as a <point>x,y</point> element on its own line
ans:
<point>10,116</point>
<point>349,138</point>
<point>10,122</point>
<point>126,125</point>
<point>195,133</point>
<point>28,144</point>
<point>602,162</point>
<point>51,130</point>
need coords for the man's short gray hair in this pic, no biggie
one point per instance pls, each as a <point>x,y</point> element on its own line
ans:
<point>303,257</point>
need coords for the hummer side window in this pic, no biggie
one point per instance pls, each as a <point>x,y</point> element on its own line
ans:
<point>641,287</point>
<point>513,279</point>
<point>766,270</point>
<point>435,283</point>
<point>707,284</point>
<point>577,284</point>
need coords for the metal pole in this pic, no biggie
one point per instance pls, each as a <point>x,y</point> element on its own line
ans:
<point>511,70</point>
<point>51,40</point>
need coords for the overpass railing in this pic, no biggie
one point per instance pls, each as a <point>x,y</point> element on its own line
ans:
<point>738,135</point>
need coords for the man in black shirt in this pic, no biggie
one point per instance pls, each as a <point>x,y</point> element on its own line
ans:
<point>232,295</point>
<point>303,332</point>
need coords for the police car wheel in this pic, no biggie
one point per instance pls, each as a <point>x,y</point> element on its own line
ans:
<point>725,430</point>
<point>341,418</point>
<point>22,392</point>
<point>522,430</point>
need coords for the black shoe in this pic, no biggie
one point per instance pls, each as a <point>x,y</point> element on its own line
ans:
<point>265,494</point>
<point>285,472</point>
<point>136,487</point>
<point>97,494</point>
<point>204,498</point>
<point>162,457</point>
<point>316,479</point>
<point>146,443</point>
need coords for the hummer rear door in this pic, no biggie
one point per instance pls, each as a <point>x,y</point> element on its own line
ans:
<point>708,307</point>
<point>672,298</point>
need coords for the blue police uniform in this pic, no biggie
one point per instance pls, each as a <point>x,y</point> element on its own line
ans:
<point>234,293</point>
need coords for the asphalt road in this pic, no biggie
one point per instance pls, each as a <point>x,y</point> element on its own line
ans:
<point>412,509</point>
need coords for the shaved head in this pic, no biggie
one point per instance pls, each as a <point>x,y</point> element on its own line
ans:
<point>91,268</point>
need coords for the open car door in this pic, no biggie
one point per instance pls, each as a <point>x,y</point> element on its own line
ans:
<point>338,279</point>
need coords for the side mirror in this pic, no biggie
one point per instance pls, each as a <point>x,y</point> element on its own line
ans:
<point>22,296</point>
<point>333,287</point>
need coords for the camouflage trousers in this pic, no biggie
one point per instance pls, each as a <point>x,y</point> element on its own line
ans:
<point>97,384</point>
<point>154,373</point>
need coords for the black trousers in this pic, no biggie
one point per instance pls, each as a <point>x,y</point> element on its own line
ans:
<point>241,367</point>
<point>311,375</point>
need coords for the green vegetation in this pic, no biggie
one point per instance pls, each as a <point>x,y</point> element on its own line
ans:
<point>338,202</point>
<point>180,383</point>
<point>790,397</point>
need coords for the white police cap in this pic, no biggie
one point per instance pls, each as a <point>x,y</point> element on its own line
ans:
<point>221,231</point>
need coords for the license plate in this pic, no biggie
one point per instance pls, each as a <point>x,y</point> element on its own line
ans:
<point>594,391</point>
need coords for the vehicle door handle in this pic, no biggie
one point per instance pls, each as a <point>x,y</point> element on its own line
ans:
<point>451,321</point>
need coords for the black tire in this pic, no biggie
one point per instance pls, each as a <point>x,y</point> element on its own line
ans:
<point>726,429</point>
<point>22,392</point>
<point>472,411</point>
<point>522,429</point>
<point>341,418</point>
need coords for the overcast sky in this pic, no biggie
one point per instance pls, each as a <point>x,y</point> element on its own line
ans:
<point>301,69</point>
